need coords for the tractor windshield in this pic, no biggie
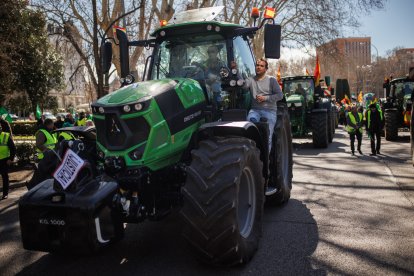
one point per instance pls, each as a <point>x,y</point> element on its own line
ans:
<point>402,89</point>
<point>199,57</point>
<point>304,87</point>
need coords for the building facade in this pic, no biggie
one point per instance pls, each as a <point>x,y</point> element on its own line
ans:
<point>347,58</point>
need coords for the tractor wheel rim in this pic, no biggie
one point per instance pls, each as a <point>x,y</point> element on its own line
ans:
<point>246,202</point>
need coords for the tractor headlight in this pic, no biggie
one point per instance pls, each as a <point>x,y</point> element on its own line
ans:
<point>126,108</point>
<point>234,71</point>
<point>138,106</point>
<point>129,79</point>
<point>137,153</point>
<point>224,72</point>
<point>298,104</point>
<point>217,29</point>
<point>209,27</point>
<point>233,83</point>
<point>101,109</point>
<point>240,82</point>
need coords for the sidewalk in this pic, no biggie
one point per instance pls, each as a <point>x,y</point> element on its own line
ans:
<point>18,177</point>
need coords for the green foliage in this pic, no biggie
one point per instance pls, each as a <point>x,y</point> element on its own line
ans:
<point>20,103</point>
<point>51,103</point>
<point>24,153</point>
<point>11,43</point>
<point>24,128</point>
<point>28,62</point>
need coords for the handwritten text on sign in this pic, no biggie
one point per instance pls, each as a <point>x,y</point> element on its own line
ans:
<point>68,169</point>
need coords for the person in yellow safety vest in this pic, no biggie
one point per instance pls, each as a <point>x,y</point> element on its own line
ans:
<point>44,139</point>
<point>7,154</point>
<point>64,135</point>
<point>354,128</point>
<point>81,120</point>
<point>374,125</point>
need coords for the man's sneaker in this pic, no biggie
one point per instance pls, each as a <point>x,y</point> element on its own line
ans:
<point>372,154</point>
<point>5,197</point>
<point>360,152</point>
<point>353,153</point>
<point>378,152</point>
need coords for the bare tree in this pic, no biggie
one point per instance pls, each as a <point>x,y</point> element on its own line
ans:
<point>85,25</point>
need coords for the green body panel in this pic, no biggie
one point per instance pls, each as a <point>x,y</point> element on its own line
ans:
<point>297,113</point>
<point>189,92</point>
<point>161,148</point>
<point>132,93</point>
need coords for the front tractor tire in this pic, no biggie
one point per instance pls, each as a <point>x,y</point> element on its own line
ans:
<point>391,124</point>
<point>223,201</point>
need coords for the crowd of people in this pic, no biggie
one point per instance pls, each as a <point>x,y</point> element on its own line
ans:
<point>355,119</point>
<point>45,139</point>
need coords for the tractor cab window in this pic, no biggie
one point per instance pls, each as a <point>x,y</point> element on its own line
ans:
<point>402,89</point>
<point>198,57</point>
<point>303,87</point>
<point>244,58</point>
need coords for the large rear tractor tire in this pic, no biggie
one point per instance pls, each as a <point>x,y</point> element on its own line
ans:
<point>281,161</point>
<point>320,129</point>
<point>391,124</point>
<point>223,200</point>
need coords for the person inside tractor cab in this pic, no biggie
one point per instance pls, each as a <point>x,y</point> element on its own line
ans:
<point>299,90</point>
<point>211,67</point>
<point>407,89</point>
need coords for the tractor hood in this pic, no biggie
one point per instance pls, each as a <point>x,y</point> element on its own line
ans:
<point>137,92</point>
<point>295,98</point>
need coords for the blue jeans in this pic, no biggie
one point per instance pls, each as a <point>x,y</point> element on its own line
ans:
<point>271,116</point>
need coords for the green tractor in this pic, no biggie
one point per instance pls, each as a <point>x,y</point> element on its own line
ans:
<point>309,111</point>
<point>397,107</point>
<point>174,140</point>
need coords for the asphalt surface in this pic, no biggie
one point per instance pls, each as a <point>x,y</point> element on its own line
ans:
<point>348,215</point>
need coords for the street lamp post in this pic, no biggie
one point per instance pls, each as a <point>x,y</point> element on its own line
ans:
<point>376,49</point>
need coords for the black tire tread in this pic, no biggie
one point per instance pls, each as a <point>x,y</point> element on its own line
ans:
<point>210,194</point>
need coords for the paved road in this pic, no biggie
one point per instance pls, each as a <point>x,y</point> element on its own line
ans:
<point>347,215</point>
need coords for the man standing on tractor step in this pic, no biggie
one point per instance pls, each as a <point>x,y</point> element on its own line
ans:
<point>265,92</point>
<point>374,125</point>
<point>7,153</point>
<point>354,128</point>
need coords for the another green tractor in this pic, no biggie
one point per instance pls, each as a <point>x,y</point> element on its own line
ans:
<point>397,107</point>
<point>309,111</point>
<point>176,139</point>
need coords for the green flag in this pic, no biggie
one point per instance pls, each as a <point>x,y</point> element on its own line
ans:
<point>38,112</point>
<point>5,114</point>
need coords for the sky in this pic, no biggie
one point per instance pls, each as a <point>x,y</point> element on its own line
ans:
<point>388,28</point>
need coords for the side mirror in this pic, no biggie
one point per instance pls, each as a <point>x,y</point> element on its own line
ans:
<point>272,37</point>
<point>106,57</point>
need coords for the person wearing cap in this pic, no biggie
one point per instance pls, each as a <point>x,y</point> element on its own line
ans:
<point>44,138</point>
<point>7,154</point>
<point>354,128</point>
<point>374,125</point>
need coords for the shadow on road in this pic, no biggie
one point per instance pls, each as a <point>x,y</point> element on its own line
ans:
<point>290,236</point>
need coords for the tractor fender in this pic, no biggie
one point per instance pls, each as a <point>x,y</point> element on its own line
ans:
<point>238,128</point>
